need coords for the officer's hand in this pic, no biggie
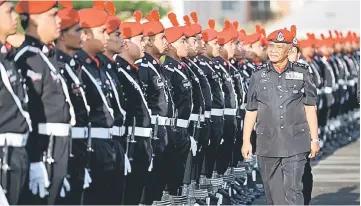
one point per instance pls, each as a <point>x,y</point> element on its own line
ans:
<point>64,187</point>
<point>247,150</point>
<point>315,148</point>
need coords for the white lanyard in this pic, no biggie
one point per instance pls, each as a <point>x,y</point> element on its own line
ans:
<point>116,95</point>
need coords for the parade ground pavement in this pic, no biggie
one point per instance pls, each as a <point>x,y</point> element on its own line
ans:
<point>336,179</point>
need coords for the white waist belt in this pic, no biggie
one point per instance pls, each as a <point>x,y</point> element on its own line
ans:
<point>140,131</point>
<point>161,120</point>
<point>82,133</point>
<point>14,139</point>
<point>231,112</point>
<point>194,117</point>
<point>56,129</point>
<point>341,82</point>
<point>207,114</point>
<point>118,131</point>
<point>328,90</point>
<point>351,82</point>
<point>217,112</point>
<point>180,122</point>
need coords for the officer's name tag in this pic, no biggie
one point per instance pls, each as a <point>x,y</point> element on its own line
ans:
<point>294,75</point>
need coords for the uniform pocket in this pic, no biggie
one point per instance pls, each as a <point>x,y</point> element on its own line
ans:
<point>300,130</point>
<point>264,138</point>
<point>264,92</point>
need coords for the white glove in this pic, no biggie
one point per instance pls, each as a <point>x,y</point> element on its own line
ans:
<point>150,165</point>
<point>39,180</point>
<point>64,187</point>
<point>3,200</point>
<point>127,167</point>
<point>87,179</point>
<point>193,146</point>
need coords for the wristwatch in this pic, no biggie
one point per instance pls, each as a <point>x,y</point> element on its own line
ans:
<point>315,140</point>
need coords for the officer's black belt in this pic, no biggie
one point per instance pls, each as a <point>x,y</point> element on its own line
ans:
<point>194,117</point>
<point>217,112</point>
<point>230,112</point>
<point>161,120</point>
<point>183,123</point>
<point>141,131</point>
<point>82,133</point>
<point>56,129</point>
<point>14,139</point>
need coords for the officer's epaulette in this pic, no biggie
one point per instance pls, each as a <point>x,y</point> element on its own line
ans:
<point>304,66</point>
<point>262,67</point>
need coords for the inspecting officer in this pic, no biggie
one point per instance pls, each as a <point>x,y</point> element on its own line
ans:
<point>282,98</point>
<point>15,120</point>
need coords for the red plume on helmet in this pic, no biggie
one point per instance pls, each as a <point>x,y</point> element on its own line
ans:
<point>187,20</point>
<point>99,4</point>
<point>194,17</point>
<point>110,7</point>
<point>173,19</point>
<point>138,16</point>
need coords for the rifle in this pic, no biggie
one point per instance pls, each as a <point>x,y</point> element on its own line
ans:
<point>89,148</point>
<point>48,157</point>
<point>131,139</point>
<point>5,167</point>
<point>155,132</point>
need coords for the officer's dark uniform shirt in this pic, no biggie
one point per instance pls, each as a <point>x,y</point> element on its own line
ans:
<point>110,67</point>
<point>135,103</point>
<point>214,80</point>
<point>198,98</point>
<point>46,97</point>
<point>153,79</point>
<point>75,94</point>
<point>237,79</point>
<point>92,76</point>
<point>182,87</point>
<point>229,94</point>
<point>279,98</point>
<point>12,120</point>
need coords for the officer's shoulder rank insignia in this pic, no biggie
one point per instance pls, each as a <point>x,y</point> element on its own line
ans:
<point>261,68</point>
<point>304,66</point>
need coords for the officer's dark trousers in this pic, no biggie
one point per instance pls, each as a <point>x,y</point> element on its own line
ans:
<point>106,172</point>
<point>59,169</point>
<point>175,157</point>
<point>215,139</point>
<point>154,185</point>
<point>16,177</point>
<point>282,179</point>
<point>307,181</point>
<point>225,151</point>
<point>136,180</point>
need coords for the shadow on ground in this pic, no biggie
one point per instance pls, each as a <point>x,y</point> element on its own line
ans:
<point>344,196</point>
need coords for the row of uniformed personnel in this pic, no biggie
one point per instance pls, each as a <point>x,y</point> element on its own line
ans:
<point>103,98</point>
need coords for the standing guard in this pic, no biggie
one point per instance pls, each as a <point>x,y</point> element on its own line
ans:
<point>67,44</point>
<point>226,51</point>
<point>156,93</point>
<point>15,120</point>
<point>50,106</point>
<point>138,117</point>
<point>209,38</point>
<point>179,141</point>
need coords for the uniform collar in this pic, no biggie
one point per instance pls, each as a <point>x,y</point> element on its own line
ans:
<point>151,59</point>
<point>187,62</point>
<point>125,65</point>
<point>221,61</point>
<point>86,59</point>
<point>105,62</point>
<point>170,61</point>
<point>62,56</point>
<point>205,59</point>
<point>6,50</point>
<point>272,68</point>
<point>48,50</point>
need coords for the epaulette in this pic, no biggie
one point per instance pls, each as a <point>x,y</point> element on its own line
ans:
<point>304,66</point>
<point>262,67</point>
